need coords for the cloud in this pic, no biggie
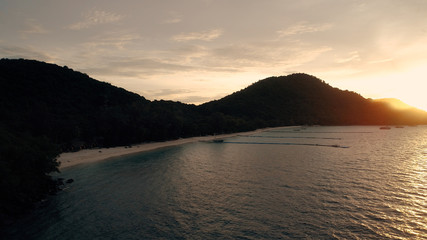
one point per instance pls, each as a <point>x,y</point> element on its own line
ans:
<point>264,56</point>
<point>33,27</point>
<point>302,28</point>
<point>203,36</point>
<point>381,61</point>
<point>136,67</point>
<point>181,95</point>
<point>23,52</point>
<point>173,20</point>
<point>111,39</point>
<point>354,56</point>
<point>195,99</point>
<point>168,92</point>
<point>94,18</point>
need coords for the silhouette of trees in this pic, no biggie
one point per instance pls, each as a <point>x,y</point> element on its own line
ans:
<point>47,109</point>
<point>300,99</point>
<point>25,162</point>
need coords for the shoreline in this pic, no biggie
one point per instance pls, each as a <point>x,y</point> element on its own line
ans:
<point>70,159</point>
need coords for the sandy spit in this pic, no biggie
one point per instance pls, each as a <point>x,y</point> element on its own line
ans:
<point>70,159</point>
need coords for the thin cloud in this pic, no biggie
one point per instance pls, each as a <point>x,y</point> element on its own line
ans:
<point>94,18</point>
<point>198,99</point>
<point>133,67</point>
<point>264,55</point>
<point>183,95</point>
<point>33,27</point>
<point>115,40</point>
<point>203,36</point>
<point>161,93</point>
<point>23,52</point>
<point>173,20</point>
<point>174,17</point>
<point>381,61</point>
<point>354,56</point>
<point>302,28</point>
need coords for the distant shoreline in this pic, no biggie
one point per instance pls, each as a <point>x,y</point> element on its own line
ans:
<point>70,159</point>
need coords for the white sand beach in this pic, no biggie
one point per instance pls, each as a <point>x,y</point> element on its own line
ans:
<point>70,159</point>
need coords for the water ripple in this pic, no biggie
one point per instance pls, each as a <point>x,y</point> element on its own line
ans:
<point>377,189</point>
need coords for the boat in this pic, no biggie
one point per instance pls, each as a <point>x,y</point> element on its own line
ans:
<point>213,141</point>
<point>339,146</point>
<point>385,128</point>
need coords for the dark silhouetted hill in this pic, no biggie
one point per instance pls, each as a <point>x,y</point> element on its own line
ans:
<point>47,109</point>
<point>303,99</point>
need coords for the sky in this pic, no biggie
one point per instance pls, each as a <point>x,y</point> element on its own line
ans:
<point>195,51</point>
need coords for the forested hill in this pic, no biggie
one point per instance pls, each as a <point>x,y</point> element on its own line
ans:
<point>299,99</point>
<point>47,109</point>
<point>75,111</point>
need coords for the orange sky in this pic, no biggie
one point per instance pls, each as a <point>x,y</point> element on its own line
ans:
<point>199,50</point>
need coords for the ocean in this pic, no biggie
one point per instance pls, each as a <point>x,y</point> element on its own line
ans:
<point>346,182</point>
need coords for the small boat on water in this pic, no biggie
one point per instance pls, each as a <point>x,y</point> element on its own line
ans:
<point>213,141</point>
<point>385,128</point>
<point>339,146</point>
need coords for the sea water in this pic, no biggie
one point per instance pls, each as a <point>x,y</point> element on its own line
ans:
<point>279,184</point>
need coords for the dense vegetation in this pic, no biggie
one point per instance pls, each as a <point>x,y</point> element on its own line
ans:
<point>25,161</point>
<point>301,99</point>
<point>47,109</point>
